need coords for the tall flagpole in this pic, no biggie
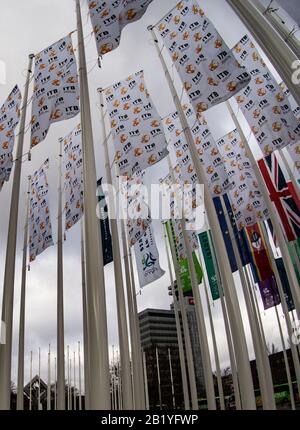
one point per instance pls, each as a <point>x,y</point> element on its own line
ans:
<point>49,381</point>
<point>68,375</point>
<point>262,360</point>
<point>98,362</point>
<point>39,375</point>
<point>9,272</point>
<point>277,50</point>
<point>202,333</point>
<point>186,330</point>
<point>74,372</point>
<point>85,322</point>
<point>171,377</point>
<point>79,377</point>
<point>288,36</point>
<point>55,385</point>
<point>146,380</point>
<point>121,306</point>
<point>158,378</point>
<point>214,340</point>
<point>20,395</point>
<point>179,333</point>
<point>60,293</point>
<point>234,313</point>
<point>137,329</point>
<point>30,383</point>
<point>290,270</point>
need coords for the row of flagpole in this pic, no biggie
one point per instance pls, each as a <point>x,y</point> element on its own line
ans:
<point>95,322</point>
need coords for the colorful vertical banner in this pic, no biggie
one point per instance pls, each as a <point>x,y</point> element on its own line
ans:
<point>147,259</point>
<point>209,264</point>
<point>183,262</point>
<point>40,229</point>
<point>56,88</point>
<point>104,225</point>
<point>136,126</point>
<point>9,119</point>
<point>73,177</point>
<point>109,19</point>
<point>269,293</point>
<point>206,66</point>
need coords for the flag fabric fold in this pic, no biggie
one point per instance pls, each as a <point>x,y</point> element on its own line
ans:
<point>206,66</point>
<point>136,126</point>
<point>9,119</point>
<point>40,229</point>
<point>56,88</point>
<point>109,19</point>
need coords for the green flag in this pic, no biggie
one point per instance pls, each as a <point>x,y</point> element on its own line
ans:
<point>209,264</point>
<point>296,245</point>
<point>183,263</point>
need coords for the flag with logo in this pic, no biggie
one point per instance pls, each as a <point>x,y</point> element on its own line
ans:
<point>283,195</point>
<point>136,126</point>
<point>206,66</point>
<point>104,225</point>
<point>264,104</point>
<point>209,264</point>
<point>269,292</point>
<point>247,202</point>
<point>73,177</point>
<point>40,230</point>
<point>147,259</point>
<point>181,258</point>
<point>9,119</point>
<point>110,17</point>
<point>56,88</point>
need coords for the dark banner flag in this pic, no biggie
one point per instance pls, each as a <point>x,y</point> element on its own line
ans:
<point>209,264</point>
<point>285,284</point>
<point>269,293</point>
<point>104,225</point>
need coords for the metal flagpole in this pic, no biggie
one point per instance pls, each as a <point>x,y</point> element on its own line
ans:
<point>172,380</point>
<point>79,377</point>
<point>290,270</point>
<point>85,323</point>
<point>232,358</point>
<point>9,272</point>
<point>146,380</point>
<point>30,383</point>
<point>60,293</point>
<point>214,340</point>
<point>272,44</point>
<point>55,385</point>
<point>121,306</point>
<point>20,394</point>
<point>74,365</point>
<point>277,23</point>
<point>49,381</point>
<point>71,396</point>
<point>205,354</point>
<point>137,328</point>
<point>262,359</point>
<point>284,308</point>
<point>179,333</point>
<point>39,391</point>
<point>158,378</point>
<point>286,362</point>
<point>68,364</point>
<point>186,331</point>
<point>95,291</point>
<point>234,313</point>
<point>137,393</point>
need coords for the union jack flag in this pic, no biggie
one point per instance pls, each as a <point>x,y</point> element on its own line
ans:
<point>283,194</point>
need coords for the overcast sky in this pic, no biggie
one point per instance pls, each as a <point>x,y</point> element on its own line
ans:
<point>30,26</point>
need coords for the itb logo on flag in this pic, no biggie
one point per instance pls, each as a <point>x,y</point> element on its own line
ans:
<point>2,73</point>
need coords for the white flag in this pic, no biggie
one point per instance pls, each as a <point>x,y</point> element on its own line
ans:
<point>147,259</point>
<point>136,126</point>
<point>56,88</point>
<point>73,177</point>
<point>40,230</point>
<point>206,66</point>
<point>264,104</point>
<point>9,119</point>
<point>247,202</point>
<point>207,149</point>
<point>110,17</point>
